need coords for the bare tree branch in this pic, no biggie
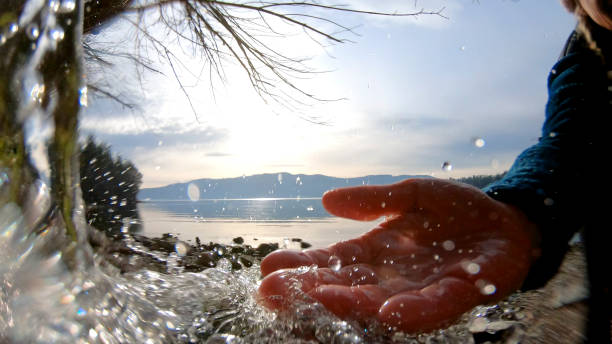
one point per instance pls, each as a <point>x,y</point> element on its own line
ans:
<point>238,31</point>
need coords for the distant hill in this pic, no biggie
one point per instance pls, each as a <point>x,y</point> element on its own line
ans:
<point>281,185</point>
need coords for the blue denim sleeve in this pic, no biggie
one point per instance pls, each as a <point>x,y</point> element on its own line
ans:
<point>553,182</point>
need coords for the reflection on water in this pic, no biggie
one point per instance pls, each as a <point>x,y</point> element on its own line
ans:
<point>269,209</point>
<point>256,220</point>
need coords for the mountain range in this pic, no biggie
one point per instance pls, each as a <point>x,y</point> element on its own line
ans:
<point>268,185</point>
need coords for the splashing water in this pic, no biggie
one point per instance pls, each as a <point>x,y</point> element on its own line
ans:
<point>447,166</point>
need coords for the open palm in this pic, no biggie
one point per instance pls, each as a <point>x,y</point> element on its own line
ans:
<point>444,248</point>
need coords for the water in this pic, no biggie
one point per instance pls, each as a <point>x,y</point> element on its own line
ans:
<point>255,220</point>
<point>58,287</point>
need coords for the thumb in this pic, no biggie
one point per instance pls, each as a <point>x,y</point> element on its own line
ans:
<point>369,202</point>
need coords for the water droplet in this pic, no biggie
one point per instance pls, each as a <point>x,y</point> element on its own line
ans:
<point>436,257</point>
<point>310,208</point>
<point>463,47</point>
<point>67,6</point>
<point>471,267</point>
<point>193,192</point>
<point>54,5</point>
<point>297,180</point>
<point>448,245</point>
<point>2,39</point>
<point>478,325</point>
<point>37,92</point>
<point>478,142</point>
<point>280,178</point>
<point>552,134</point>
<point>83,96</point>
<point>383,204</point>
<point>553,71</point>
<point>33,32</point>
<point>488,289</point>
<point>66,299</point>
<point>548,201</point>
<point>334,263</point>
<point>13,28</point>
<point>446,166</point>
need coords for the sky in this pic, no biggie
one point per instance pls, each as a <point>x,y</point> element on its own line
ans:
<point>416,92</point>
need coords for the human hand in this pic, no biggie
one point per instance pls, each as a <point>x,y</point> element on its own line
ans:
<point>444,248</point>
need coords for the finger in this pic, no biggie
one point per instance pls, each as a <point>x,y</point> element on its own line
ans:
<point>285,259</point>
<point>280,289</point>
<point>336,256</point>
<point>419,195</point>
<point>369,248</point>
<point>356,302</point>
<point>354,251</point>
<point>430,308</point>
<point>366,203</point>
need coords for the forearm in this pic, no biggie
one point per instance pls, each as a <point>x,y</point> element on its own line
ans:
<point>553,181</point>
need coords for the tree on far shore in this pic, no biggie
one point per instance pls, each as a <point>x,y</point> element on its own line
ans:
<point>480,181</point>
<point>109,185</point>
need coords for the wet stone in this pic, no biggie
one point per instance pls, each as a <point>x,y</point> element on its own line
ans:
<point>197,257</point>
<point>238,240</point>
<point>264,249</point>
<point>247,261</point>
<point>304,244</point>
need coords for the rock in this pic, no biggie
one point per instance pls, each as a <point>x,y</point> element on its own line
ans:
<point>238,240</point>
<point>264,249</point>
<point>247,261</point>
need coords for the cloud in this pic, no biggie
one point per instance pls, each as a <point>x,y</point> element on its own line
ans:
<point>218,154</point>
<point>418,95</point>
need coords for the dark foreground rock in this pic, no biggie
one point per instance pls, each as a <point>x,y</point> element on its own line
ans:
<point>134,252</point>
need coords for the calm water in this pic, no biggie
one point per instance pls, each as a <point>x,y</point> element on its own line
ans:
<point>256,220</point>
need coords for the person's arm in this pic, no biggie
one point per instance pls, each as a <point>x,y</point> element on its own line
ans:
<point>555,181</point>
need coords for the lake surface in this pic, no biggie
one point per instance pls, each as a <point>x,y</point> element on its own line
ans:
<point>255,220</point>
